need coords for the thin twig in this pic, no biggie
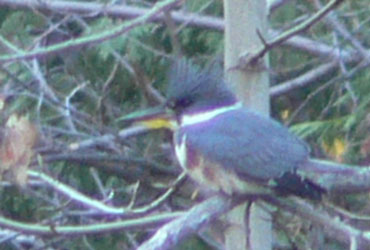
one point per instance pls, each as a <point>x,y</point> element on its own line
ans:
<point>67,103</point>
<point>107,139</point>
<point>94,38</point>
<point>252,57</point>
<point>162,198</point>
<point>303,80</point>
<point>332,20</point>
<point>189,19</point>
<point>333,226</point>
<point>76,195</point>
<point>171,27</point>
<point>360,66</point>
<point>99,183</point>
<point>171,233</point>
<point>100,206</point>
<point>98,228</point>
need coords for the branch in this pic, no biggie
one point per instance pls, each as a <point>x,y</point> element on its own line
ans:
<point>107,139</point>
<point>333,176</point>
<point>336,177</point>
<point>122,11</point>
<point>190,222</point>
<point>91,39</point>
<point>101,227</point>
<point>362,65</point>
<point>98,206</point>
<point>15,237</point>
<point>303,80</point>
<point>76,195</point>
<point>193,220</point>
<point>332,20</point>
<point>333,226</point>
<point>313,47</point>
<point>113,10</point>
<point>252,57</point>
<point>190,19</point>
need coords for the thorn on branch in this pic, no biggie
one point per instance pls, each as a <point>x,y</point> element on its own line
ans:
<point>252,60</point>
<point>263,41</point>
<point>249,59</point>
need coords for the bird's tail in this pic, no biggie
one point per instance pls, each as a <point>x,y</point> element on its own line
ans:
<point>295,184</point>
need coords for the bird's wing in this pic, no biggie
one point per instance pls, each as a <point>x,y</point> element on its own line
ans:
<point>247,143</point>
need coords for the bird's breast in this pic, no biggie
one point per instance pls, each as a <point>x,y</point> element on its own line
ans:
<point>210,175</point>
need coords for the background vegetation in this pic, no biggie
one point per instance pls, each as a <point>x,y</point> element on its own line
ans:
<point>74,98</point>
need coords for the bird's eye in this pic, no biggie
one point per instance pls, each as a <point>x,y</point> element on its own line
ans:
<point>178,104</point>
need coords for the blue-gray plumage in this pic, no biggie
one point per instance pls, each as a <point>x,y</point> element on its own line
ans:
<point>250,144</point>
<point>223,145</point>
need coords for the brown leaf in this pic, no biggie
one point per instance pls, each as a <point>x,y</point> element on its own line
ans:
<point>19,136</point>
<point>336,149</point>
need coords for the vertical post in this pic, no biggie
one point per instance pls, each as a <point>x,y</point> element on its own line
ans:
<point>242,20</point>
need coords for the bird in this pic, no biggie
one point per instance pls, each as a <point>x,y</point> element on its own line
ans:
<point>221,144</point>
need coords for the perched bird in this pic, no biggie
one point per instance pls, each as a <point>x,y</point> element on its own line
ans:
<point>224,146</point>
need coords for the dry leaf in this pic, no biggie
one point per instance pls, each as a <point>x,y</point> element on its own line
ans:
<point>335,150</point>
<point>19,136</point>
<point>285,114</point>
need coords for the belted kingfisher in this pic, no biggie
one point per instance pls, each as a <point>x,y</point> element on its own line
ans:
<point>222,145</point>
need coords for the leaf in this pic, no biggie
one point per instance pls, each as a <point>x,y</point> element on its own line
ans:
<point>284,114</point>
<point>17,27</point>
<point>306,129</point>
<point>336,149</point>
<point>19,136</point>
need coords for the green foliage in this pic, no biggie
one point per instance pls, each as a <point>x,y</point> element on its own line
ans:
<point>197,42</point>
<point>18,205</point>
<point>192,243</point>
<point>204,6</point>
<point>19,25</point>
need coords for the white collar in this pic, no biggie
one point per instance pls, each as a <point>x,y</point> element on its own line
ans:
<point>207,115</point>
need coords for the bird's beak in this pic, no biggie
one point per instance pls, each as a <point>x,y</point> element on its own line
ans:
<point>153,118</point>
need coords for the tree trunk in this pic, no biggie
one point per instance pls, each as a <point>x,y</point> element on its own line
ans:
<point>242,20</point>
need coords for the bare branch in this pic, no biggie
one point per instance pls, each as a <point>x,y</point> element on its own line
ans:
<point>336,177</point>
<point>360,66</point>
<point>313,47</point>
<point>122,11</point>
<point>100,227</point>
<point>76,195</point>
<point>107,139</point>
<point>190,222</point>
<point>336,228</point>
<point>91,39</point>
<point>303,79</point>
<point>67,111</point>
<point>191,19</point>
<point>201,214</point>
<point>101,207</point>
<point>333,21</point>
<point>94,158</point>
<point>252,57</point>
<point>29,240</point>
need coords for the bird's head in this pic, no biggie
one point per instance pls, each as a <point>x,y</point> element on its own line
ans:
<point>190,90</point>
